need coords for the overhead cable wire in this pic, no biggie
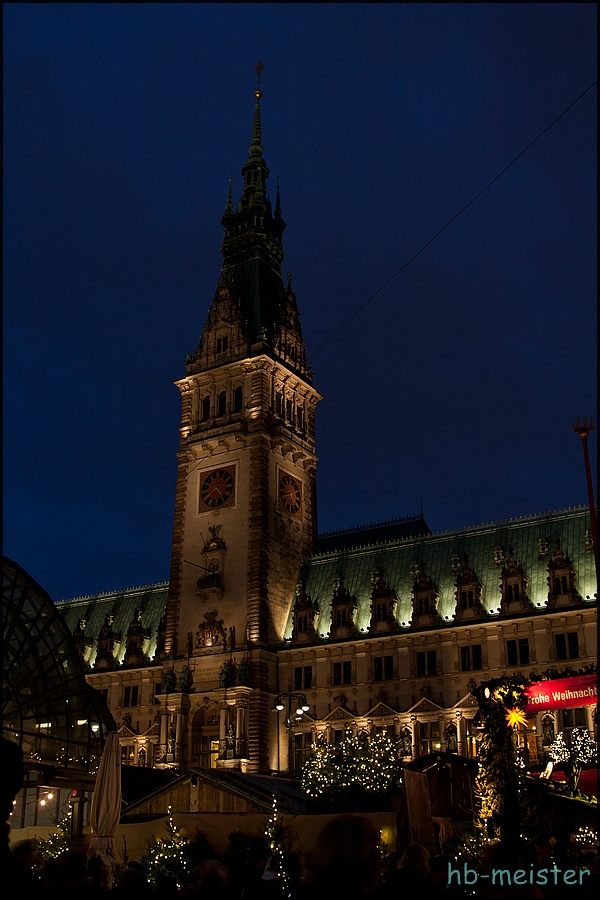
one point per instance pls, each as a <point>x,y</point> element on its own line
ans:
<point>450,221</point>
<point>361,307</point>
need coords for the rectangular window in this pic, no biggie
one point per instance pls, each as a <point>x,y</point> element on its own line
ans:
<point>431,662</point>
<point>517,652</point>
<point>307,677</point>
<point>383,668</point>
<point>561,646</point>
<point>127,697</point>
<point>573,643</point>
<point>429,737</point>
<point>135,695</point>
<point>104,693</point>
<point>470,657</point>
<point>338,737</point>
<point>347,672</point>
<point>337,673</point>
<point>289,411</point>
<point>421,662</point>
<point>278,398</point>
<point>567,645</point>
<point>298,678</point>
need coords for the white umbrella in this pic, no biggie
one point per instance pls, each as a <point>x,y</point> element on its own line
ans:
<point>106,804</point>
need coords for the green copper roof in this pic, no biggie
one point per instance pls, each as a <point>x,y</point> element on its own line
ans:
<point>151,599</point>
<point>395,558</point>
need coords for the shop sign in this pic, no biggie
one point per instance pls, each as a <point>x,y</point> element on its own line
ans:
<point>561,693</point>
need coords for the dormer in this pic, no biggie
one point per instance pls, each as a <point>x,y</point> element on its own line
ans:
<point>425,600</point>
<point>383,606</point>
<point>514,587</point>
<point>136,642</point>
<point>108,645</point>
<point>561,580</point>
<point>83,644</point>
<point>469,593</point>
<point>305,614</point>
<point>210,585</point>
<point>343,611</point>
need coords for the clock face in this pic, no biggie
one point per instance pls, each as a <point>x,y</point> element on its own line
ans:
<point>290,494</point>
<point>217,488</point>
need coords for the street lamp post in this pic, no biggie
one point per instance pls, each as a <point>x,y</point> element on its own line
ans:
<point>291,699</point>
<point>583,428</point>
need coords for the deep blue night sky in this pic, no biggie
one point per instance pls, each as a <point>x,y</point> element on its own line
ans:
<point>456,386</point>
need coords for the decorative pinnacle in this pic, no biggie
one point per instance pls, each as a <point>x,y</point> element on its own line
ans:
<point>229,206</point>
<point>277,200</point>
<point>258,69</point>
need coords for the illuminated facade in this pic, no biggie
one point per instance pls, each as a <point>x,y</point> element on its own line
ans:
<point>387,626</point>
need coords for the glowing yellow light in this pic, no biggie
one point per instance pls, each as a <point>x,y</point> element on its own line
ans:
<point>516,717</point>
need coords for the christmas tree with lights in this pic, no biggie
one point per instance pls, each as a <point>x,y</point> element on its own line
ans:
<point>169,855</point>
<point>497,782</point>
<point>573,757</point>
<point>363,768</point>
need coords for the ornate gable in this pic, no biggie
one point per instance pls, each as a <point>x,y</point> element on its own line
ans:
<point>466,702</point>
<point>381,709</point>
<point>305,613</point>
<point>514,587</point>
<point>562,580</point>
<point>425,599</point>
<point>469,592</point>
<point>343,611</point>
<point>383,606</point>
<point>424,705</point>
<point>338,713</point>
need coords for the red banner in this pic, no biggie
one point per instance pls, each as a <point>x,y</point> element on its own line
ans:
<point>561,693</point>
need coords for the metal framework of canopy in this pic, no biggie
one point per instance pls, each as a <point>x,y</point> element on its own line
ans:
<point>49,710</point>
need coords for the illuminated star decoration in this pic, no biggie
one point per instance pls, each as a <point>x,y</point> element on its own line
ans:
<point>516,717</point>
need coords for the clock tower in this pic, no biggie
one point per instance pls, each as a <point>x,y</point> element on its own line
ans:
<point>245,507</point>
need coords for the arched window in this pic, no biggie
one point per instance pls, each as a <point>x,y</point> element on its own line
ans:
<point>222,343</point>
<point>565,584</point>
<point>381,612</point>
<point>463,599</point>
<point>205,408</point>
<point>237,398</point>
<point>516,591</point>
<point>557,585</point>
<point>509,591</point>
<point>222,403</point>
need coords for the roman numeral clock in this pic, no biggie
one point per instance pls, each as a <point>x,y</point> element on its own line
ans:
<point>217,489</point>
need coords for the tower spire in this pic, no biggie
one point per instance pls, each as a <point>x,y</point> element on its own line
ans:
<point>256,148</point>
<point>229,204</point>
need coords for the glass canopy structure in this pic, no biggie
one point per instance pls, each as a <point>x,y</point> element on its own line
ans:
<point>58,720</point>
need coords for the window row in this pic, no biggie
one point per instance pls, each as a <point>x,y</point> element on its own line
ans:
<point>426,661</point>
<point>221,404</point>
<point>288,410</point>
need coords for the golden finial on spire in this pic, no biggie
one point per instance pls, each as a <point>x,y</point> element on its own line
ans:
<point>258,69</point>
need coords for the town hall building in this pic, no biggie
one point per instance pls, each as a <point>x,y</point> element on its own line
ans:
<point>268,635</point>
